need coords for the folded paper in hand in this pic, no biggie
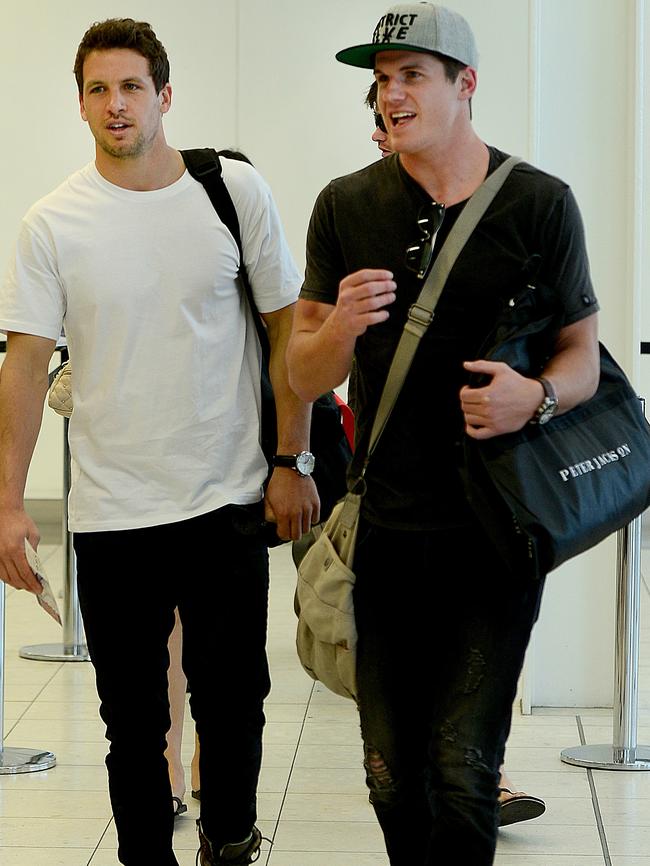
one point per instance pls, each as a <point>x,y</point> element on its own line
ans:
<point>46,598</point>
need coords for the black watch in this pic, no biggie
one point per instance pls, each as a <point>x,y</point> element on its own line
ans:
<point>302,463</point>
<point>549,405</point>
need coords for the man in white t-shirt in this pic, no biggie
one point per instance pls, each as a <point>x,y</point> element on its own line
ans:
<point>129,256</point>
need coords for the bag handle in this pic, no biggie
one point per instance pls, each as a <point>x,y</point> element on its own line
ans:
<point>421,312</point>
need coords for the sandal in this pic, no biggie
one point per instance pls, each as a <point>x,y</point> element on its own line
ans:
<point>519,806</point>
<point>179,807</point>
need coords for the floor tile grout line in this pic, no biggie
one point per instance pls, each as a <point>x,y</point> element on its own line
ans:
<point>594,801</point>
<point>99,841</point>
<point>3,734</point>
<point>291,768</point>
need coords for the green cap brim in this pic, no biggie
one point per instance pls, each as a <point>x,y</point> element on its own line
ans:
<point>363,56</point>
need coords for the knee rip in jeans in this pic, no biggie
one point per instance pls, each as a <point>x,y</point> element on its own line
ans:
<point>475,671</point>
<point>474,759</point>
<point>379,777</point>
<point>448,732</point>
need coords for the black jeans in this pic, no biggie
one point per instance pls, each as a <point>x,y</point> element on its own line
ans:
<point>129,584</point>
<point>442,636</point>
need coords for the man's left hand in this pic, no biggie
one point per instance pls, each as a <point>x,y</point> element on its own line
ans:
<point>292,503</point>
<point>504,405</point>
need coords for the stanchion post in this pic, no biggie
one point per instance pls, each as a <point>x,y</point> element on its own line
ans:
<point>73,637</point>
<point>623,753</point>
<point>12,759</point>
<point>15,760</point>
<point>626,658</point>
<point>73,648</point>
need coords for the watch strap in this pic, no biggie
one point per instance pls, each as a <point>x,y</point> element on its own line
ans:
<point>549,405</point>
<point>285,460</point>
<point>549,390</point>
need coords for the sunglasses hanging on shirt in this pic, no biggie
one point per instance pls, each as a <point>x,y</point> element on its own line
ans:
<point>419,254</point>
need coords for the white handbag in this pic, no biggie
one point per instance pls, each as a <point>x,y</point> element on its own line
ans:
<point>59,396</point>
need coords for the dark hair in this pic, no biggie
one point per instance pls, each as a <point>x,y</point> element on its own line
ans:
<point>124,33</point>
<point>371,96</point>
<point>371,102</point>
<point>452,67</point>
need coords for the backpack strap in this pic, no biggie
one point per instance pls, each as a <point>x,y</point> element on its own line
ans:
<point>205,166</point>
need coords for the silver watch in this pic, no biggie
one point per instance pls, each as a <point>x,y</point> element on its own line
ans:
<point>303,463</point>
<point>549,405</point>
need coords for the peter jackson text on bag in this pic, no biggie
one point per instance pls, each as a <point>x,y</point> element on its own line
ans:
<point>549,492</point>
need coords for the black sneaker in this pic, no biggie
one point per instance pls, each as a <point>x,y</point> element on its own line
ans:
<point>232,854</point>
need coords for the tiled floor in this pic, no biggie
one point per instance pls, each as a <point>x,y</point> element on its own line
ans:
<point>312,800</point>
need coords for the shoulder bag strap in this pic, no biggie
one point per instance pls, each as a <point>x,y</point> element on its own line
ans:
<point>421,313</point>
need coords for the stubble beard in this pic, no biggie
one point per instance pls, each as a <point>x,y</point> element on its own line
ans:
<point>131,151</point>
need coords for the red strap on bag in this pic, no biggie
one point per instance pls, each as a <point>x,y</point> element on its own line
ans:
<point>347,419</point>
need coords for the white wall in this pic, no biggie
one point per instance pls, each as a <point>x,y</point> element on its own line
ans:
<point>582,135</point>
<point>641,84</point>
<point>557,83</point>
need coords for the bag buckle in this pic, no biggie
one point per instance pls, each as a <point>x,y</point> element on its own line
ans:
<point>420,317</point>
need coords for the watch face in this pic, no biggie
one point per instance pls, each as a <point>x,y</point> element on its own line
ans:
<point>548,413</point>
<point>305,462</point>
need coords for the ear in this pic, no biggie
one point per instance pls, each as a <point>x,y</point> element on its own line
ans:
<point>165,97</point>
<point>467,83</point>
<point>82,108</point>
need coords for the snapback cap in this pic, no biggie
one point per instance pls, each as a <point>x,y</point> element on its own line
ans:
<point>416,27</point>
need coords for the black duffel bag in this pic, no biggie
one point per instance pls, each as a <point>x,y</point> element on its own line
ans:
<point>549,492</point>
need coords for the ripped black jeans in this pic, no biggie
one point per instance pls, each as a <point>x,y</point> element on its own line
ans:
<point>442,634</point>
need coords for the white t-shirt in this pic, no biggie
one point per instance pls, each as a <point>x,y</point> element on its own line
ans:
<point>165,358</point>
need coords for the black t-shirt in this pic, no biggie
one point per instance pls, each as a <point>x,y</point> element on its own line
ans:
<point>367,220</point>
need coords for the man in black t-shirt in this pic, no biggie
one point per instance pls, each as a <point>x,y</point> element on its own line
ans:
<point>514,805</point>
<point>432,598</point>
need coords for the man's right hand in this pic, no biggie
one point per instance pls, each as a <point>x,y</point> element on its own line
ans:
<point>362,299</point>
<point>15,527</point>
<point>320,350</point>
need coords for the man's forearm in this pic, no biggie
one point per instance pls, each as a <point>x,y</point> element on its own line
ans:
<point>319,355</point>
<point>574,369</point>
<point>293,414</point>
<point>21,411</point>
